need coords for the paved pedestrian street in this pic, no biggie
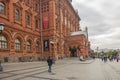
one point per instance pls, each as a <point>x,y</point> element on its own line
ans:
<point>66,69</point>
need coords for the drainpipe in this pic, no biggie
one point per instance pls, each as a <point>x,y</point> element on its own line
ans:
<point>41,29</point>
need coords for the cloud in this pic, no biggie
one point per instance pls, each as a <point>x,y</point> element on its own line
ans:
<point>103,21</point>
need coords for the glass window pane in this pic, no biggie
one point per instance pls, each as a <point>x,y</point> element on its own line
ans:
<point>17,15</point>
<point>28,45</point>
<point>37,47</point>
<point>3,42</point>
<point>3,38</point>
<point>36,23</point>
<point>2,8</point>
<point>17,44</point>
<point>28,20</point>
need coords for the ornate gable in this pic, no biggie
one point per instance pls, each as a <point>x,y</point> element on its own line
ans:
<point>37,16</point>
<point>29,10</point>
<point>18,4</point>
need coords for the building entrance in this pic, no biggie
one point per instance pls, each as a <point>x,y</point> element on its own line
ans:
<point>73,51</point>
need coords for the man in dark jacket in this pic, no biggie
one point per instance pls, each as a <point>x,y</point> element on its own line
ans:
<point>1,68</point>
<point>50,62</point>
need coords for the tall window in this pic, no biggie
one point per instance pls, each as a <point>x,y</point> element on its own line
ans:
<point>28,46</point>
<point>36,23</point>
<point>17,15</point>
<point>17,45</point>
<point>28,20</point>
<point>37,47</point>
<point>36,6</point>
<point>3,42</point>
<point>2,8</point>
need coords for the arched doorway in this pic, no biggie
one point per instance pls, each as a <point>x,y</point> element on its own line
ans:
<point>73,51</point>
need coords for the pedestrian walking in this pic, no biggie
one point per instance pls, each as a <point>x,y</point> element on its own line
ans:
<point>102,57</point>
<point>105,58</point>
<point>1,68</point>
<point>117,58</point>
<point>50,62</point>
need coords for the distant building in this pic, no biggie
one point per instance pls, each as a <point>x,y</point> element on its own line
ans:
<point>79,41</point>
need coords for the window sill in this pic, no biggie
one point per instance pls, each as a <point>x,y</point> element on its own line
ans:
<point>18,22</point>
<point>29,51</point>
<point>4,16</point>
<point>5,50</point>
<point>18,51</point>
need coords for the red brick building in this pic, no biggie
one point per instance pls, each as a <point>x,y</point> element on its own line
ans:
<point>21,35</point>
<point>78,41</point>
<point>62,20</point>
<point>32,31</point>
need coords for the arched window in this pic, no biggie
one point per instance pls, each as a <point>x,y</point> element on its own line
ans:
<point>3,42</point>
<point>2,8</point>
<point>28,46</point>
<point>17,45</point>
<point>37,47</point>
<point>28,20</point>
<point>17,15</point>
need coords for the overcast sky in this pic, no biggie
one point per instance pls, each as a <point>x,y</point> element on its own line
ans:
<point>102,17</point>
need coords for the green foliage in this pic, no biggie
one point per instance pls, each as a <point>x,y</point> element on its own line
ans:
<point>111,53</point>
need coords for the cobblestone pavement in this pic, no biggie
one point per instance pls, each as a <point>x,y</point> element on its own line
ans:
<point>67,69</point>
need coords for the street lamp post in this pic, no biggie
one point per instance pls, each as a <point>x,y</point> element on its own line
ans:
<point>41,29</point>
<point>1,27</point>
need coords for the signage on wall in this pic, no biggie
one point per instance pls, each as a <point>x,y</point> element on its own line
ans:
<point>46,45</point>
<point>45,22</point>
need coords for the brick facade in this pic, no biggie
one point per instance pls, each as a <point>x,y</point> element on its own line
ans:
<point>62,20</point>
<point>19,29</point>
<point>22,32</point>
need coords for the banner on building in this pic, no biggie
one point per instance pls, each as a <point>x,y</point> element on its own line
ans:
<point>46,45</point>
<point>45,22</point>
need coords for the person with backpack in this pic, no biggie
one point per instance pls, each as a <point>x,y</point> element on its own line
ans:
<point>50,62</point>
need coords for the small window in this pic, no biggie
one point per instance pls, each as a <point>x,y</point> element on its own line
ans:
<point>17,45</point>
<point>28,20</point>
<point>2,8</point>
<point>3,42</point>
<point>17,15</point>
<point>36,6</point>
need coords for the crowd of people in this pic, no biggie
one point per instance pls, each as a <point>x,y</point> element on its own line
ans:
<point>111,58</point>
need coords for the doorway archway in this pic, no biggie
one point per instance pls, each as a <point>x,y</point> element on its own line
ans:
<point>73,51</point>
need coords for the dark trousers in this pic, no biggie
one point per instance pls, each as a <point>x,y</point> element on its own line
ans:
<point>49,68</point>
<point>1,68</point>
